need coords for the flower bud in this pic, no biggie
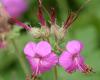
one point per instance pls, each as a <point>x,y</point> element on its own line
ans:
<point>57,31</point>
<point>45,32</point>
<point>36,32</point>
<point>61,33</point>
<point>54,29</point>
<point>39,33</point>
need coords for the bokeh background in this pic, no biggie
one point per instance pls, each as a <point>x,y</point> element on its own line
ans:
<point>86,28</point>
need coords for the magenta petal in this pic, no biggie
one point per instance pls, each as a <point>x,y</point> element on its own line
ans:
<point>71,68</point>
<point>29,49</point>
<point>65,60</point>
<point>48,62</point>
<point>15,7</point>
<point>34,62</point>
<point>80,64</point>
<point>43,48</point>
<point>74,46</point>
<point>80,59</point>
<point>43,64</point>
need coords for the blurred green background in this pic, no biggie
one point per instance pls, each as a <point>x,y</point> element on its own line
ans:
<point>86,28</point>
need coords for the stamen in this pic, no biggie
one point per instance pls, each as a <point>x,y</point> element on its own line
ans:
<point>86,69</point>
<point>37,69</point>
<point>36,72</point>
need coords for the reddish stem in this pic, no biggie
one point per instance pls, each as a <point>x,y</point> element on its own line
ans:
<point>20,23</point>
<point>69,20</point>
<point>53,15</point>
<point>40,16</point>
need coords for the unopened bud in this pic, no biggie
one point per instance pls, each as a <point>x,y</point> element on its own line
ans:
<point>54,29</point>
<point>57,31</point>
<point>36,32</point>
<point>45,32</point>
<point>61,33</point>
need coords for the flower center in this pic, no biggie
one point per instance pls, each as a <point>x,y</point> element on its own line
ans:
<point>74,56</point>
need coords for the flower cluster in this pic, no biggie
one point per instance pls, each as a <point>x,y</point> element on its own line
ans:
<point>71,59</point>
<point>42,56</point>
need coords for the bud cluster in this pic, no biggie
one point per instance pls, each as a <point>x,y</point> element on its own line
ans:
<point>42,56</point>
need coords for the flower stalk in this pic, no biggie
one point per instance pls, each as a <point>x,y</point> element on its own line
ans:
<point>22,63</point>
<point>14,20</point>
<point>55,73</point>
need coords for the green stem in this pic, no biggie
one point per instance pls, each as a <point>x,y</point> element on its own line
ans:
<point>22,63</point>
<point>55,73</point>
<point>46,11</point>
<point>58,47</point>
<point>34,78</point>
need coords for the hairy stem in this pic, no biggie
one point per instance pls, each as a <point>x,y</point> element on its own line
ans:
<point>55,73</point>
<point>22,63</point>
<point>34,78</point>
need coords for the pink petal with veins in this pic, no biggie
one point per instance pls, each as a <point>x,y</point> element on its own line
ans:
<point>74,46</point>
<point>43,64</point>
<point>29,49</point>
<point>43,48</point>
<point>65,60</point>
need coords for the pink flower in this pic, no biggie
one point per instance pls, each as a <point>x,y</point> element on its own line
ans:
<point>15,7</point>
<point>40,56</point>
<point>71,60</point>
